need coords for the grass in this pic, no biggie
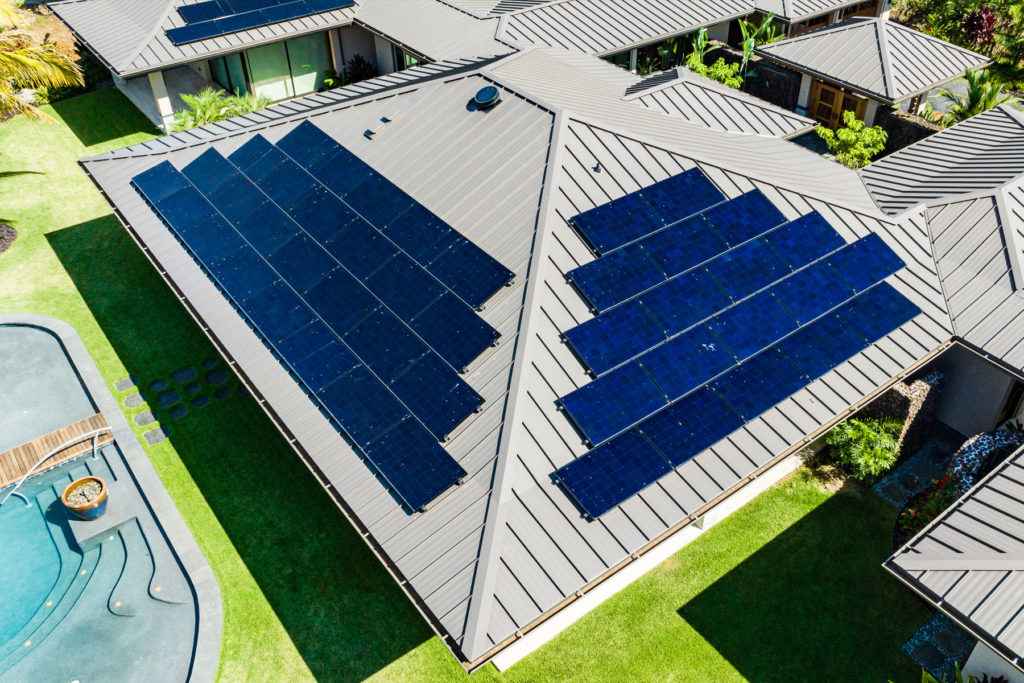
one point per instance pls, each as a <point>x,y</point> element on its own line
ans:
<point>789,587</point>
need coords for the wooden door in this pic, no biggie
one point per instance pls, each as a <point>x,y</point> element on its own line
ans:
<point>828,105</point>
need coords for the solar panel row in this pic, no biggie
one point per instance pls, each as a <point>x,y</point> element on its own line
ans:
<point>218,17</point>
<point>358,325</point>
<point>619,222</point>
<point>669,370</point>
<point>609,474</point>
<point>659,257</point>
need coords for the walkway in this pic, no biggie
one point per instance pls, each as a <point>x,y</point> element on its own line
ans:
<point>917,472</point>
<point>17,462</point>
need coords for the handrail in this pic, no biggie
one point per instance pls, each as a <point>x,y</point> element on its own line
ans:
<point>95,434</point>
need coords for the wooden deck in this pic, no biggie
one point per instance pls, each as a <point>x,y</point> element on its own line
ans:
<point>15,463</point>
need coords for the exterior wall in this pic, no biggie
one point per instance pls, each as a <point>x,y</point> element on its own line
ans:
<point>870,113</point>
<point>719,32</point>
<point>803,98</point>
<point>975,391</point>
<point>903,128</point>
<point>384,55</point>
<point>915,404</point>
<point>770,82</point>
<point>356,40</point>
<point>985,661</point>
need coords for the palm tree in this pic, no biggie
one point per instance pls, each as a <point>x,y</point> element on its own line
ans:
<point>984,91</point>
<point>30,66</point>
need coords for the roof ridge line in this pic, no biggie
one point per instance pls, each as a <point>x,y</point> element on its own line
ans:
<point>481,599</point>
<point>883,50</point>
<point>171,6</point>
<point>1014,246</point>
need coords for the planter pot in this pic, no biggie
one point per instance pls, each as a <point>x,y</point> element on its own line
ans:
<point>87,510</point>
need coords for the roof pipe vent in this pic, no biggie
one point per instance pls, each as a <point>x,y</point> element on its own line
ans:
<point>486,98</point>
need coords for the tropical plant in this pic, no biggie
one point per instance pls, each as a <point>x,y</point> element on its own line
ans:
<point>856,144</point>
<point>867,448</point>
<point>358,69</point>
<point>978,26</point>
<point>701,49</point>
<point>25,65</point>
<point>984,91</point>
<point>720,71</point>
<point>757,34</point>
<point>670,52</point>
<point>210,104</point>
<point>929,504</point>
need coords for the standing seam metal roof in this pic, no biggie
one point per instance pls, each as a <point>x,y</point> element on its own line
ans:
<point>875,57</point>
<point>494,555</point>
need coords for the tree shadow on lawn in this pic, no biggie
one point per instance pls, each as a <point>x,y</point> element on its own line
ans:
<point>815,603</point>
<point>340,607</point>
<point>102,116</point>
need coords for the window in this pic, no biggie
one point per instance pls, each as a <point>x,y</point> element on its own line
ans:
<point>809,25</point>
<point>229,73</point>
<point>403,60</point>
<point>279,70</point>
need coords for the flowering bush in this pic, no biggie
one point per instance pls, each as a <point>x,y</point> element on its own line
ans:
<point>979,25</point>
<point>929,504</point>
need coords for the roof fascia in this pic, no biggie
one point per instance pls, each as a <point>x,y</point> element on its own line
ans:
<point>675,32</point>
<point>481,601</point>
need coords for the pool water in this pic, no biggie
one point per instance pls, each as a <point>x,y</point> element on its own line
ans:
<point>91,611</point>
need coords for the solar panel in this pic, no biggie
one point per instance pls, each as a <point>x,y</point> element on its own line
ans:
<point>686,362</point>
<point>753,324</point>
<point>690,425</point>
<point>454,260</point>
<point>603,408</point>
<point>748,268</point>
<point>608,475</point>
<point>810,292</point>
<point>616,336</point>
<point>211,19</point>
<point>759,383</point>
<point>612,225</point>
<point>866,261</point>
<point>804,240</point>
<point>375,379</point>
<point>877,312</point>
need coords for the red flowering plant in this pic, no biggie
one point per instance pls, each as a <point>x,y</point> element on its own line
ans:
<point>978,25</point>
<point>929,504</point>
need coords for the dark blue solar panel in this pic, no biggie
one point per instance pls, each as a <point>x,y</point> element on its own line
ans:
<point>619,222</point>
<point>433,394</point>
<point>682,195</point>
<point>821,346</point>
<point>613,403</point>
<point>458,338</point>
<point>378,200</point>
<point>759,383</point>
<point>877,312</point>
<point>750,326</point>
<point>616,277</point>
<point>681,365</point>
<point>280,313</point>
<point>685,300</point>
<point>202,11</point>
<point>470,272</point>
<point>302,263</point>
<point>804,240</point>
<point>385,345</point>
<point>744,217</point>
<point>690,425</point>
<point>608,475</point>
<point>244,275</point>
<point>866,261</point>
<point>747,268</point>
<point>812,291</point>
<point>616,336</point>
<point>342,314</point>
<point>418,475</point>
<point>325,365</point>
<point>210,22</point>
<point>363,406</point>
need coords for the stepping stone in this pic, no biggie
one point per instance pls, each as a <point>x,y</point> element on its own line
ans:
<point>178,412</point>
<point>134,400</point>
<point>200,401</point>
<point>126,383</point>
<point>168,399</point>
<point>209,363</point>
<point>145,418</point>
<point>243,391</point>
<point>155,436</point>
<point>193,389</point>
<point>182,375</point>
<point>158,385</point>
<point>217,377</point>
<point>928,656</point>
<point>893,492</point>
<point>223,392</point>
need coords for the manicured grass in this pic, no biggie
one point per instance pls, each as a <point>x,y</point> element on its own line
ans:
<point>789,587</point>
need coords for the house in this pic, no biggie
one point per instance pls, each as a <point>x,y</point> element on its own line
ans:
<point>165,48</point>
<point>864,63</point>
<point>499,184</point>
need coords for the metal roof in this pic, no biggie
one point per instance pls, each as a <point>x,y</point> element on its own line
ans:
<point>796,10</point>
<point>970,561</point>
<point>498,553</point>
<point>700,100</point>
<point>875,57</point>
<point>980,153</point>
<point>130,38</point>
<point>432,29</point>
<point>978,243</point>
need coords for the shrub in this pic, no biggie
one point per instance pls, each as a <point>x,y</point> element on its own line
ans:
<point>856,144</point>
<point>209,105</point>
<point>866,448</point>
<point>929,504</point>
<point>358,69</point>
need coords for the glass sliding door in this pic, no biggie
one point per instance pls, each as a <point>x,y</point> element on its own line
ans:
<point>310,60</point>
<point>269,71</point>
<point>229,73</point>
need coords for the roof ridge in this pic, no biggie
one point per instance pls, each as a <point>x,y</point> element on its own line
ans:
<point>481,600</point>
<point>882,33</point>
<point>171,6</point>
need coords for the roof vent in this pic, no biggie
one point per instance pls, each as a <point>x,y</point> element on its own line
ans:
<point>486,98</point>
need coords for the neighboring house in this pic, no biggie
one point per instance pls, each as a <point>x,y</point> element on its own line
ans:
<point>501,562</point>
<point>969,564</point>
<point>863,63</point>
<point>155,54</point>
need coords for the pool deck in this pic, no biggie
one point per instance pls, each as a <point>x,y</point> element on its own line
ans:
<point>200,576</point>
<point>19,461</point>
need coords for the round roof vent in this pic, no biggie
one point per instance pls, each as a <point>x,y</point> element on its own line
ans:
<point>487,97</point>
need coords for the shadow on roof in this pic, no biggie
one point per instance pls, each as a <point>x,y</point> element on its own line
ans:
<point>346,616</point>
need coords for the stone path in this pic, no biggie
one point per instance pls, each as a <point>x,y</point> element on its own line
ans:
<point>917,472</point>
<point>939,645</point>
<point>171,398</point>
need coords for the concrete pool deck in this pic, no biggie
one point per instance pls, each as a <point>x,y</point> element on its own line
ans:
<point>197,572</point>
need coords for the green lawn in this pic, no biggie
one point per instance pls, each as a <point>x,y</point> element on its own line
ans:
<point>790,587</point>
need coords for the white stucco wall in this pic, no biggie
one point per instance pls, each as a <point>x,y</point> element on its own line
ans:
<point>974,391</point>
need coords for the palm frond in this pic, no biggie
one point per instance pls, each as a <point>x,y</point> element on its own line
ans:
<point>35,66</point>
<point>8,15</point>
<point>12,105</point>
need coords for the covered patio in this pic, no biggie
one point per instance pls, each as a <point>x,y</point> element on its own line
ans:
<point>158,93</point>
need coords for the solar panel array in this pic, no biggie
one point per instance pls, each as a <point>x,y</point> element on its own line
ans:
<point>351,283</point>
<point>217,17</point>
<point>704,324</point>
